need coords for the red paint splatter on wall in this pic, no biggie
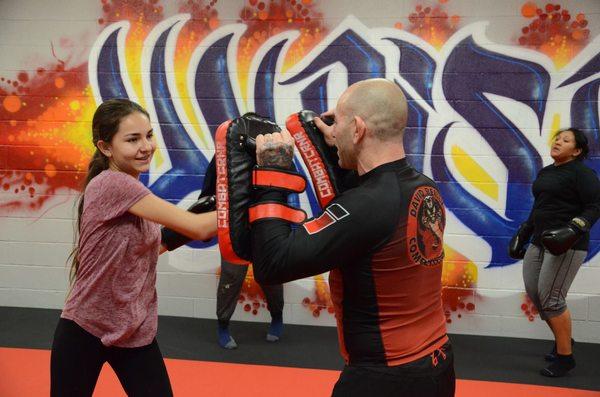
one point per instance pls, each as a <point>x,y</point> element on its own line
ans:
<point>252,296</point>
<point>528,308</point>
<point>44,123</point>
<point>268,18</point>
<point>46,118</point>
<point>554,31</point>
<point>431,23</point>
<point>204,18</point>
<point>147,12</point>
<point>459,280</point>
<point>321,300</point>
<point>253,299</point>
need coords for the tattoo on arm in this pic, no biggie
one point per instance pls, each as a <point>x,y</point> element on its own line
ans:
<point>276,154</point>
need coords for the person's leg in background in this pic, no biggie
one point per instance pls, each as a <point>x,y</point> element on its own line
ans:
<point>532,266</point>
<point>274,295</point>
<point>560,326</point>
<point>228,291</point>
<point>556,276</point>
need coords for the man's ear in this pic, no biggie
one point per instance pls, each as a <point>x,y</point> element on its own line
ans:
<point>361,130</point>
<point>104,148</point>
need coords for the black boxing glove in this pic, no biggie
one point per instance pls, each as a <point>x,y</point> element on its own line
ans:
<point>516,247</point>
<point>171,239</point>
<point>559,240</point>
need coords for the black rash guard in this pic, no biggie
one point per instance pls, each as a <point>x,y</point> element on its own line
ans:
<point>382,242</point>
<point>562,193</point>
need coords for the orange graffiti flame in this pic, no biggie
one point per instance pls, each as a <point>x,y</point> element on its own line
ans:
<point>266,19</point>
<point>252,295</point>
<point>432,24</point>
<point>204,18</point>
<point>46,144</point>
<point>553,32</point>
<point>322,298</point>
<point>141,12</point>
<point>459,279</point>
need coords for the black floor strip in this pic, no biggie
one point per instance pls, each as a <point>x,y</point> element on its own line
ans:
<point>477,357</point>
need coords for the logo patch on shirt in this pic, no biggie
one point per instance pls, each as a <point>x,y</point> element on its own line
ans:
<point>332,214</point>
<point>425,228</point>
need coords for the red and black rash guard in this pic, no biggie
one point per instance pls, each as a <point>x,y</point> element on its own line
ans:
<point>382,242</point>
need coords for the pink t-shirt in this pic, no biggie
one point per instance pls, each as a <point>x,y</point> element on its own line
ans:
<point>114,295</point>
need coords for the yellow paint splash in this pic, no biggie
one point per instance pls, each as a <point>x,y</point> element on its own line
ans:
<point>555,127</point>
<point>474,173</point>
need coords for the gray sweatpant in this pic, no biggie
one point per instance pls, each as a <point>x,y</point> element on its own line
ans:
<point>548,278</point>
<point>230,284</point>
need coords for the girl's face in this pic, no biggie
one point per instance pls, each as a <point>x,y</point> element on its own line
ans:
<point>132,147</point>
<point>564,148</point>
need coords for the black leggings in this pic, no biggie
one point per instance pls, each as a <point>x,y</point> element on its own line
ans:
<point>77,358</point>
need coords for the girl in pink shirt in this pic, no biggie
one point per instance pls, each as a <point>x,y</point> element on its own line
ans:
<point>111,311</point>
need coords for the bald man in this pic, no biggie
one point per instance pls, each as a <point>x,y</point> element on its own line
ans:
<point>382,243</point>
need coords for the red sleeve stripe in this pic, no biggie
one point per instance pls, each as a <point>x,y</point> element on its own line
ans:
<point>332,214</point>
<point>320,223</point>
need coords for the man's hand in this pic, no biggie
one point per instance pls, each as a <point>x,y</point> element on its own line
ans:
<point>275,150</point>
<point>325,124</point>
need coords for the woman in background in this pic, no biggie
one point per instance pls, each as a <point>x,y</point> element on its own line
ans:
<point>566,205</point>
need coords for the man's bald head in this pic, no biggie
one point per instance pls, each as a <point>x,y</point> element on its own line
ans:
<point>381,104</point>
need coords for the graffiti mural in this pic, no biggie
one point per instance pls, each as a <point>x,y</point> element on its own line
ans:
<point>481,113</point>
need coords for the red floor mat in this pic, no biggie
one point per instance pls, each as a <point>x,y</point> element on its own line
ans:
<point>26,372</point>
